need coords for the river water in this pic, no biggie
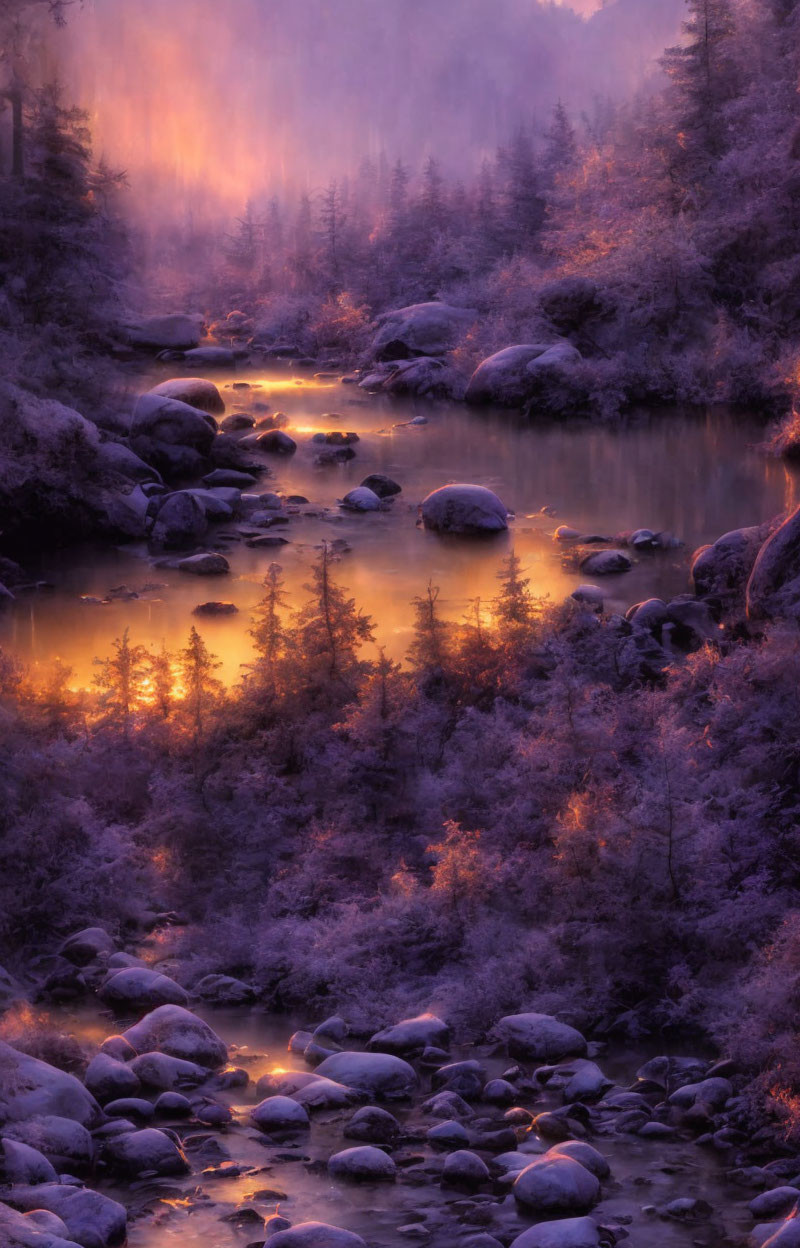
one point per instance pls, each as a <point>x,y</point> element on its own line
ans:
<point>695,475</point>
<point>290,1176</point>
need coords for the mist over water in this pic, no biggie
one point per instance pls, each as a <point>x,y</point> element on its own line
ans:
<point>206,105</point>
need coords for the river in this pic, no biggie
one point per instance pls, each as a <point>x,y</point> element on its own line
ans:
<point>694,475</point>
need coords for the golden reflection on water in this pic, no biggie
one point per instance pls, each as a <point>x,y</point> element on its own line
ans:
<point>695,476</point>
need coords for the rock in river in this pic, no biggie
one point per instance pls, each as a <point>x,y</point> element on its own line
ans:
<point>379,1074</point>
<point>178,1032</point>
<point>30,1087</point>
<point>149,1151</point>
<point>467,509</point>
<point>107,1079</point>
<point>554,1184</point>
<point>412,1034</point>
<point>420,329</point>
<point>92,1220</point>
<point>138,988</point>
<point>606,563</point>
<point>362,1164</point>
<point>566,1233</point>
<point>539,1036</point>
<point>208,563</point>
<point>280,1113</point>
<point>196,391</point>
<point>316,1235</point>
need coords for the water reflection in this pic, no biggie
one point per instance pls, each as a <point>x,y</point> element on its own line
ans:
<point>696,476</point>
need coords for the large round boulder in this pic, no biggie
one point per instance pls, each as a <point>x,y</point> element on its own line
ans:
<point>554,1184</point>
<point>149,1151</point>
<point>37,1229</point>
<point>378,1074</point>
<point>773,590</point>
<point>279,1113</point>
<point>107,1079</point>
<point>606,563</point>
<point>92,1220</point>
<point>66,1144</point>
<point>137,988</point>
<point>176,1031</point>
<point>21,1163</point>
<point>165,1073</point>
<point>565,1233</point>
<point>30,1087</point>
<point>420,329</point>
<point>181,521</point>
<point>466,509</point>
<point>363,1163</point>
<point>196,391</point>
<point>83,947</point>
<point>372,1125</point>
<point>508,377</point>
<point>412,1034</point>
<point>539,1036</point>
<point>721,570</point>
<point>315,1235</point>
<point>172,422</point>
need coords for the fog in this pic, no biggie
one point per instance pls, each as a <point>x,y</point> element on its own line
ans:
<point>207,104</point>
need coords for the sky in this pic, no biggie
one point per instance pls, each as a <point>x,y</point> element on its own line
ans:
<point>202,101</point>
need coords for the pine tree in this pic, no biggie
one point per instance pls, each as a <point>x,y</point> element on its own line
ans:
<point>268,630</point>
<point>524,206</point>
<point>328,633</point>
<point>429,651</point>
<point>561,145</point>
<point>120,679</point>
<point>514,606</point>
<point>200,688</point>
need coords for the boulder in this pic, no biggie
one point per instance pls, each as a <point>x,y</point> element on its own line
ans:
<point>173,1105</point>
<point>92,1220</point>
<point>420,378</point>
<point>583,1081</point>
<point>285,1082</point>
<point>159,1070</point>
<point>176,1031</point>
<point>450,1134</point>
<point>466,509</point>
<point>363,1163</point>
<point>130,1109</point>
<point>107,1079</point>
<point>447,1105</point>
<point>464,1169</point>
<point>582,1152</point>
<point>223,989</point>
<point>149,1152</point>
<point>500,1092</point>
<point>651,614</point>
<point>181,522</point>
<point>333,1028</point>
<point>171,422</point>
<point>37,1229</point>
<point>591,597</point>
<point>378,1074</point>
<point>361,499</point>
<point>117,458</point>
<point>208,563</point>
<point>776,1203</point>
<point>372,1125</point>
<point>215,608</point>
<point>428,329</point>
<point>411,1035</point>
<point>229,478</point>
<point>279,1113</point>
<point>787,1236</point>
<point>606,563</point>
<point>557,1185</point>
<point>773,589</point>
<point>721,570</point>
<point>30,1087</point>
<point>83,947</point>
<point>711,1092</point>
<point>118,1048</point>
<point>138,988</point>
<point>315,1235</point>
<point>198,392</point>
<point>507,378</point>
<point>66,1144</point>
<point>326,1094</point>
<point>381,485</point>
<point>276,442</point>
<point>21,1163</point>
<point>566,1233</point>
<point>539,1036</point>
<point>175,332</point>
<point>465,1078</point>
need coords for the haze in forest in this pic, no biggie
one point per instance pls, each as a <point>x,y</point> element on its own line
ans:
<point>212,104</point>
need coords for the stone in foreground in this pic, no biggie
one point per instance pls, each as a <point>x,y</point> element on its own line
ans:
<point>465,509</point>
